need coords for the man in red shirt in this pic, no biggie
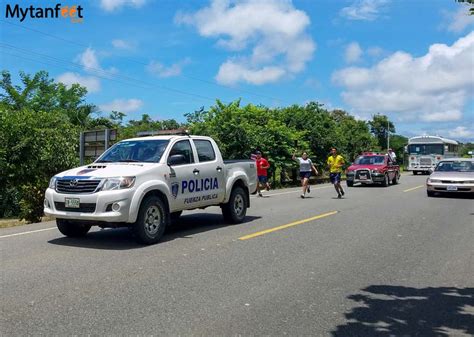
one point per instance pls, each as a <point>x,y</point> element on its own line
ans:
<point>262,167</point>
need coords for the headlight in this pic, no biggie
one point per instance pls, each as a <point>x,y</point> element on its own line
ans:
<point>52,183</point>
<point>376,171</point>
<point>118,183</point>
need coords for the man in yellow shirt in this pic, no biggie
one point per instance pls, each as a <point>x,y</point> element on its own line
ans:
<point>335,163</point>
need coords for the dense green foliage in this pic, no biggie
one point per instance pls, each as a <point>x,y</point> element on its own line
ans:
<point>35,146</point>
<point>41,121</point>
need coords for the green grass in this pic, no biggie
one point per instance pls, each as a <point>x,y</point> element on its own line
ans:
<point>6,223</point>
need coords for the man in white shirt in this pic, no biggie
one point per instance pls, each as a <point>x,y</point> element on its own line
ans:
<point>392,155</point>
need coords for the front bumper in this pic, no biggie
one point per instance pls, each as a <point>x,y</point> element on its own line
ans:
<point>372,178</point>
<point>94,206</point>
<point>450,187</point>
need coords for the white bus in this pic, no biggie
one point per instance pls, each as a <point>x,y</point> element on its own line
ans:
<point>424,152</point>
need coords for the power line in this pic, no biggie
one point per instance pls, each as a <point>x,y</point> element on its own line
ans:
<point>145,64</point>
<point>101,73</point>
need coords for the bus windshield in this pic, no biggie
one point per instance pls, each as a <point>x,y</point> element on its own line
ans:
<point>425,149</point>
<point>148,151</point>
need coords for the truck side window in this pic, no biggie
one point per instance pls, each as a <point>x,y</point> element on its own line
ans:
<point>205,150</point>
<point>183,147</point>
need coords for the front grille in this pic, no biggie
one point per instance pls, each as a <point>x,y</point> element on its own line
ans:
<point>452,182</point>
<point>362,172</point>
<point>425,161</point>
<point>83,207</point>
<point>77,186</point>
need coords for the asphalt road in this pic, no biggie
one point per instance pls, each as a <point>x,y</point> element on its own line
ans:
<point>380,262</point>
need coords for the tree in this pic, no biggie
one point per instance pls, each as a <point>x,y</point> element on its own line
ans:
<point>380,125</point>
<point>40,93</point>
<point>470,3</point>
<point>35,145</point>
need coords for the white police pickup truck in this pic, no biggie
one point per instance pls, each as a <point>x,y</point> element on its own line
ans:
<point>144,183</point>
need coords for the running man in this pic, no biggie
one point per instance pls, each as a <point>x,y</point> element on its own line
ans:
<point>306,165</point>
<point>335,162</point>
<point>262,167</point>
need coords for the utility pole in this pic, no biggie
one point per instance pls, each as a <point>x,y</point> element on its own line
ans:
<point>388,134</point>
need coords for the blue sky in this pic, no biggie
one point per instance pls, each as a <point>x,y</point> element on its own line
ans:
<point>410,59</point>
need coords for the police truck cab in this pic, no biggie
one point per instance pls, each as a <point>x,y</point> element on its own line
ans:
<point>144,183</point>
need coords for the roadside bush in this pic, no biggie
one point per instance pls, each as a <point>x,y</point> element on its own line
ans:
<point>31,203</point>
<point>34,147</point>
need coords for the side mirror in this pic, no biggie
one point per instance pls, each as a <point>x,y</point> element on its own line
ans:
<point>176,159</point>
<point>431,170</point>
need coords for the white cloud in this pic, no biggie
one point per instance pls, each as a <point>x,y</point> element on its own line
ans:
<point>459,20</point>
<point>273,29</point>
<point>353,52</point>
<point>461,132</point>
<point>434,87</point>
<point>375,51</point>
<point>366,10</point>
<point>122,44</point>
<point>159,69</point>
<point>89,61</point>
<point>122,105</point>
<point>91,83</point>
<point>112,5</point>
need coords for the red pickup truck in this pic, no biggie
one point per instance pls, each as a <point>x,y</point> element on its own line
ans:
<point>373,168</point>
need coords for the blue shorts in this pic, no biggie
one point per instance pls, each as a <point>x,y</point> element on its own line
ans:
<point>262,179</point>
<point>335,177</point>
<point>305,175</point>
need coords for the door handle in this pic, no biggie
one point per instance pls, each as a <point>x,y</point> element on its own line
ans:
<point>218,168</point>
<point>196,171</point>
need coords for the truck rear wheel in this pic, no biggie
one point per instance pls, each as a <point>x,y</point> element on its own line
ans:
<point>151,222</point>
<point>235,210</point>
<point>72,229</point>
<point>350,183</point>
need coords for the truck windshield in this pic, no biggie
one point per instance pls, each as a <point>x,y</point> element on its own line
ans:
<point>370,160</point>
<point>455,166</point>
<point>425,149</point>
<point>147,151</point>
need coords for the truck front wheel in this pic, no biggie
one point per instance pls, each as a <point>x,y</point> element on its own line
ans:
<point>235,210</point>
<point>151,222</point>
<point>72,229</point>
<point>395,179</point>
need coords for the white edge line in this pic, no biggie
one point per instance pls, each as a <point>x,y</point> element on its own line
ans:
<point>29,232</point>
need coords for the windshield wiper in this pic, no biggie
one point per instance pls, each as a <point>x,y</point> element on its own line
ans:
<point>104,161</point>
<point>129,161</point>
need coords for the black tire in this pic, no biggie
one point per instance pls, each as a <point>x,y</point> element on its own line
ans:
<point>395,179</point>
<point>72,229</point>
<point>415,173</point>
<point>236,209</point>
<point>350,183</point>
<point>430,193</point>
<point>152,220</point>
<point>385,181</point>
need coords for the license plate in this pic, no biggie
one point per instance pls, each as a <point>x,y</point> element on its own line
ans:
<point>451,188</point>
<point>362,177</point>
<point>71,203</point>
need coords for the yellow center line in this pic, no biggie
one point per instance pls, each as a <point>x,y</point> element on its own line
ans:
<point>414,188</point>
<point>270,230</point>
